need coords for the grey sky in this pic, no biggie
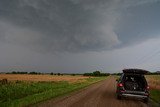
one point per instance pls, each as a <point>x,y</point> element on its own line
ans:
<point>79,35</point>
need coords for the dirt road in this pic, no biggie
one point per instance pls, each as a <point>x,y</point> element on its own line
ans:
<point>101,94</point>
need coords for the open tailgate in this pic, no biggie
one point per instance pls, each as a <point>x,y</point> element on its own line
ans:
<point>135,71</point>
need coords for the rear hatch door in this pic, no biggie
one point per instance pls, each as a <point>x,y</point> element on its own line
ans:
<point>135,71</point>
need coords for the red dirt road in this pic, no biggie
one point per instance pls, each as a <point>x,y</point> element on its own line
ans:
<point>101,94</point>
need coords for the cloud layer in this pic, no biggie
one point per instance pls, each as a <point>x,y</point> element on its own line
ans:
<point>81,35</point>
<point>56,25</point>
<point>63,26</point>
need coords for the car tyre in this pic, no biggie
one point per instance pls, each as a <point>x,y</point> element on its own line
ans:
<point>119,97</point>
<point>145,100</point>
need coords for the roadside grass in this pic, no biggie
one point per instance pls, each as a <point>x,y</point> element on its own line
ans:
<point>153,81</point>
<point>21,93</point>
<point>155,95</point>
<point>154,84</point>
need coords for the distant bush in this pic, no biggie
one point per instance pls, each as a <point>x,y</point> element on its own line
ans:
<point>33,72</point>
<point>117,74</point>
<point>21,72</point>
<point>96,73</point>
<point>88,74</point>
<point>18,72</point>
<point>73,74</point>
<point>58,74</point>
<point>154,73</point>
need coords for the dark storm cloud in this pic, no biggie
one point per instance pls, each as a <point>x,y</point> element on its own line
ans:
<point>78,35</point>
<point>63,25</point>
<point>56,25</point>
<point>141,23</point>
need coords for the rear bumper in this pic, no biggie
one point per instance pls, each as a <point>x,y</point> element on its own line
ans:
<point>134,96</point>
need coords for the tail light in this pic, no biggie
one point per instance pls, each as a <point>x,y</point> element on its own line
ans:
<point>120,85</point>
<point>147,91</point>
<point>147,87</point>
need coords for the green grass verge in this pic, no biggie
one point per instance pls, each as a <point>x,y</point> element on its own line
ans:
<point>155,95</point>
<point>23,93</point>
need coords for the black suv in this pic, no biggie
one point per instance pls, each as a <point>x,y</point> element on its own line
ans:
<point>132,83</point>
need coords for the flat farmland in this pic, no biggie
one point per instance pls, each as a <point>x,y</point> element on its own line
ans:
<point>154,84</point>
<point>41,90</point>
<point>153,81</point>
<point>34,78</point>
<point>24,89</point>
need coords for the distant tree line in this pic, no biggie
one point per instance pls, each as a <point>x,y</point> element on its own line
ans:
<point>59,74</point>
<point>21,72</point>
<point>154,73</point>
<point>116,74</point>
<point>96,73</point>
<point>38,73</point>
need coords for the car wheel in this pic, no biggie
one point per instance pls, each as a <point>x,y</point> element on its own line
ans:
<point>145,100</point>
<point>119,97</point>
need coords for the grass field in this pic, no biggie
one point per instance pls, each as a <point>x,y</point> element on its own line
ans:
<point>153,81</point>
<point>34,88</point>
<point>154,84</point>
<point>155,95</point>
<point>27,77</point>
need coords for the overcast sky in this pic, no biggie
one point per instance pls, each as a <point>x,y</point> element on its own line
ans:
<point>77,36</point>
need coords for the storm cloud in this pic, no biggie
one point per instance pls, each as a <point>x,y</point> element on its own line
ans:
<point>70,25</point>
<point>76,26</point>
<point>54,25</point>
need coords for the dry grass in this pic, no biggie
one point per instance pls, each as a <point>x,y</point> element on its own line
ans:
<point>153,81</point>
<point>36,78</point>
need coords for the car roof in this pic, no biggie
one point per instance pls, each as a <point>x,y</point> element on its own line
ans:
<point>135,71</point>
